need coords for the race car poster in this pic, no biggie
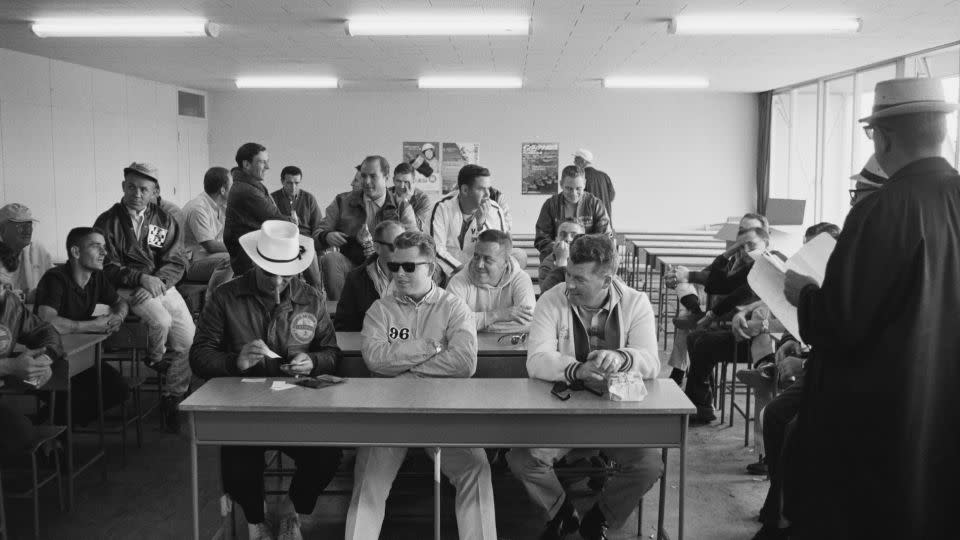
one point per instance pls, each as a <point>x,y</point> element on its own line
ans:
<point>539,168</point>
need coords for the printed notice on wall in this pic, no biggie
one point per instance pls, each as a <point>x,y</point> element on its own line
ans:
<point>539,168</point>
<point>425,159</point>
<point>454,156</point>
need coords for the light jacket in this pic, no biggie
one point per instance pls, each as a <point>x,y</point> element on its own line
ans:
<point>514,289</point>
<point>396,331</point>
<point>158,250</point>
<point>552,347</point>
<point>446,221</point>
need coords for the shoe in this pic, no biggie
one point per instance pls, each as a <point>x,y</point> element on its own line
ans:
<point>760,379</point>
<point>759,468</point>
<point>688,321</point>
<point>160,366</point>
<point>772,532</point>
<point>594,525</point>
<point>564,523</point>
<point>704,416</point>
<point>259,531</point>
<point>170,414</point>
<point>290,528</point>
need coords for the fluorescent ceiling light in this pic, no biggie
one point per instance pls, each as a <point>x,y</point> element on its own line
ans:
<point>436,25</point>
<point>764,24</point>
<point>287,82</point>
<point>125,27</point>
<point>470,82</point>
<point>655,82</point>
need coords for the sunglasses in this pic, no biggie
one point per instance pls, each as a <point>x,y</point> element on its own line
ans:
<point>387,245</point>
<point>408,267</point>
<point>515,339</point>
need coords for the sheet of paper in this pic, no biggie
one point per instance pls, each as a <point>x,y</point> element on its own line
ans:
<point>768,274</point>
<point>254,380</point>
<point>281,385</point>
<point>271,354</point>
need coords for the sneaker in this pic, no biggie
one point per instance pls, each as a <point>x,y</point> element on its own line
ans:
<point>290,528</point>
<point>594,525</point>
<point>704,416</point>
<point>564,523</point>
<point>759,468</point>
<point>259,531</point>
<point>160,366</point>
<point>169,413</point>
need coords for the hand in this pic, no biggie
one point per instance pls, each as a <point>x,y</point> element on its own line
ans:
<point>790,367</point>
<point>301,364</point>
<point>740,327</point>
<point>114,321</point>
<point>790,348</point>
<point>793,284</point>
<point>153,285</point>
<point>139,296</point>
<point>588,372</point>
<point>706,321</point>
<point>676,275</point>
<point>561,252</point>
<point>101,325</point>
<point>734,248</point>
<point>518,314</point>
<point>252,354</point>
<point>605,361</point>
<point>336,238</point>
<point>31,364</point>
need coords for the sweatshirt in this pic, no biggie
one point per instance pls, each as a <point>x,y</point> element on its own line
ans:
<point>514,289</point>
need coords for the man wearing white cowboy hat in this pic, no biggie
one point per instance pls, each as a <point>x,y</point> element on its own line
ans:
<point>270,323</point>
<point>883,328</point>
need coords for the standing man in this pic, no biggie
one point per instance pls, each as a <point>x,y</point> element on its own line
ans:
<point>22,261</point>
<point>367,283</point>
<point>203,221</point>
<point>351,218</point>
<point>419,330</point>
<point>573,203</point>
<point>583,330</point>
<point>144,262</point>
<point>403,187</point>
<point>882,327</point>
<point>598,182</point>
<point>248,203</point>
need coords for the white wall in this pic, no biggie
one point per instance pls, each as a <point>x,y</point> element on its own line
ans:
<point>678,160</point>
<point>67,131</point>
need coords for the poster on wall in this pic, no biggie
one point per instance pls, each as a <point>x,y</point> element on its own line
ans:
<point>425,158</point>
<point>454,156</point>
<point>539,168</point>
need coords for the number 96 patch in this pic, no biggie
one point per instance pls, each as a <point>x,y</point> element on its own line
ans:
<point>399,333</point>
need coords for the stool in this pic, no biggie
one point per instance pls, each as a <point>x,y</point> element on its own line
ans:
<point>43,435</point>
<point>124,347</point>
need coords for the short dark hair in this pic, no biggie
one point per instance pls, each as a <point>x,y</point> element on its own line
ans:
<point>759,217</point>
<point>597,248</point>
<point>403,168</point>
<point>215,179</point>
<point>823,227</point>
<point>417,239</point>
<point>469,173</point>
<point>291,170</point>
<point>248,151</point>
<point>382,161</point>
<point>571,171</point>
<point>916,131</point>
<point>79,234</point>
<point>497,237</point>
<point>384,225</point>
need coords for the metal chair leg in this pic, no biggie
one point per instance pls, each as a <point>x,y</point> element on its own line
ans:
<point>663,497</point>
<point>746,419</point>
<point>36,495</point>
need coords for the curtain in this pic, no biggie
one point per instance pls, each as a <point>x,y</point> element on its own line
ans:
<point>765,106</point>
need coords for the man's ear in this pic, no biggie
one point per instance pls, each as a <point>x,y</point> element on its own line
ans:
<point>75,252</point>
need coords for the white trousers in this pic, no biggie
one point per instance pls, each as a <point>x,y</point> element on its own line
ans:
<point>170,326</point>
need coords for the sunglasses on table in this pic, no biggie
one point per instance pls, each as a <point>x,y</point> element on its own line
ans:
<point>515,339</point>
<point>408,267</point>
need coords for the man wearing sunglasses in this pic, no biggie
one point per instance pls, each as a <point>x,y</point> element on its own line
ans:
<point>553,269</point>
<point>365,285</point>
<point>583,330</point>
<point>419,330</point>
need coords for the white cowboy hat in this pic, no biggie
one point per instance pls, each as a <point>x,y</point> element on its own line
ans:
<point>908,96</point>
<point>279,248</point>
<point>871,174</point>
<point>584,154</point>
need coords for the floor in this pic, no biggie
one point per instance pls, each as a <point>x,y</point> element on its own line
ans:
<point>150,497</point>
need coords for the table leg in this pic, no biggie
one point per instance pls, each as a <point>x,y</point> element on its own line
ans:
<point>663,497</point>
<point>98,361</point>
<point>436,495</point>
<point>683,471</point>
<point>194,480</point>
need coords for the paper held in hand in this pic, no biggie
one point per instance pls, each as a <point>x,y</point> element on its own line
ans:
<point>768,274</point>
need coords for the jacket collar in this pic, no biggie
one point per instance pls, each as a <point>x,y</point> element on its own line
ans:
<point>296,292</point>
<point>244,177</point>
<point>432,296</point>
<point>923,167</point>
<point>356,198</point>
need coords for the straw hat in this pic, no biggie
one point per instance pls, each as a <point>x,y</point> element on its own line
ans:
<point>908,96</point>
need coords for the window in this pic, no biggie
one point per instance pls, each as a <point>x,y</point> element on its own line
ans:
<point>838,160</point>
<point>794,138</point>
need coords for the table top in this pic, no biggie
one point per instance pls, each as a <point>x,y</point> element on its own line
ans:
<point>74,343</point>
<point>428,396</point>
<point>689,262</point>
<point>670,233</point>
<point>679,251</point>
<point>488,344</point>
<point>698,244</point>
<point>673,239</point>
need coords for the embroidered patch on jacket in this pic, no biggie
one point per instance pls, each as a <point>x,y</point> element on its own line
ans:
<point>156,236</point>
<point>6,340</point>
<point>303,327</point>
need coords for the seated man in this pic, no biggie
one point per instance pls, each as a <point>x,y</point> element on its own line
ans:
<point>459,217</point>
<point>499,293</point>
<point>66,298</point>
<point>269,309</point>
<point>403,178</point>
<point>168,206</point>
<point>351,218</point>
<point>298,203</point>
<point>203,221</point>
<point>22,261</point>
<point>366,284</point>
<point>572,203</point>
<point>553,268</point>
<point>604,327</point>
<point>419,330</point>
<point>144,262</point>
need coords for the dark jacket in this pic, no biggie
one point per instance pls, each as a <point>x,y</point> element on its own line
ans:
<point>308,211</point>
<point>600,186</point>
<point>421,204</point>
<point>158,251</point>
<point>248,206</point>
<point>590,213</point>
<point>17,325</point>
<point>235,316</point>
<point>358,294</point>
<point>347,214</point>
